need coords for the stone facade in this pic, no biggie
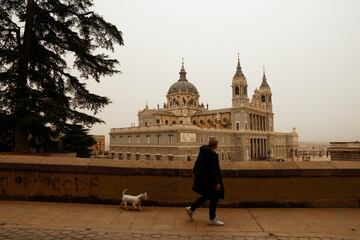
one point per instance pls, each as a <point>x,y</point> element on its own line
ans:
<point>174,132</point>
<point>345,151</point>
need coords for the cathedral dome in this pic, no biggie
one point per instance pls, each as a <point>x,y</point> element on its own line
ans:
<point>183,85</point>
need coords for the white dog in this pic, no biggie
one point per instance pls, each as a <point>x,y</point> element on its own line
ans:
<point>134,200</point>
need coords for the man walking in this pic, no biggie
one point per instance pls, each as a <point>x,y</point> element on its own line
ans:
<point>207,181</point>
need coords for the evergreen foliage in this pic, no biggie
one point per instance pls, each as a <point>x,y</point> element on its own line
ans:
<point>41,89</point>
<point>76,139</point>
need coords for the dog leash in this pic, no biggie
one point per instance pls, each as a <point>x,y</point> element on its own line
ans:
<point>163,186</point>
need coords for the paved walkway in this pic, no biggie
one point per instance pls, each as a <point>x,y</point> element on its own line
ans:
<point>43,220</point>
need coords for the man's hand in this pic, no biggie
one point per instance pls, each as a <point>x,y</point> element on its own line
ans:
<point>217,187</point>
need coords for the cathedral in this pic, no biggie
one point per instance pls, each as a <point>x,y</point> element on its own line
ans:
<point>245,131</point>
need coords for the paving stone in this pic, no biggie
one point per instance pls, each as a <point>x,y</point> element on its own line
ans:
<point>29,234</point>
<point>196,238</point>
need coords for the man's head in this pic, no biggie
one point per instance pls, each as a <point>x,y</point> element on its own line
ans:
<point>213,142</point>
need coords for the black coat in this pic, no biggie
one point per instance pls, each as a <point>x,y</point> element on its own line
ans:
<point>207,173</point>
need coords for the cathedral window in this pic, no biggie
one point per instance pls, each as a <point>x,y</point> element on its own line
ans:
<point>263,98</point>
<point>236,90</point>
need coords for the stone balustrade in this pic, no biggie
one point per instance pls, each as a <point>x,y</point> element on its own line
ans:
<point>247,184</point>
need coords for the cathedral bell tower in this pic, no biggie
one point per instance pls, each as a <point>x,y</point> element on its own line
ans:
<point>265,93</point>
<point>239,88</point>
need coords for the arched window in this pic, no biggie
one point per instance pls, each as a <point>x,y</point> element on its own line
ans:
<point>209,121</point>
<point>224,120</point>
<point>236,90</point>
<point>194,122</point>
<point>174,102</point>
<point>158,121</point>
<point>237,126</point>
<point>191,102</point>
<point>262,98</point>
<point>201,122</point>
<point>181,122</point>
<point>166,121</point>
<point>174,122</point>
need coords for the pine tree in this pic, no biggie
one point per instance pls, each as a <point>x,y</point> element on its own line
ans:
<point>76,139</point>
<point>48,50</point>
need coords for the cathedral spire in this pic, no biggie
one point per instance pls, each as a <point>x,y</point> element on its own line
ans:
<point>238,67</point>
<point>264,83</point>
<point>264,77</point>
<point>238,72</point>
<point>182,72</point>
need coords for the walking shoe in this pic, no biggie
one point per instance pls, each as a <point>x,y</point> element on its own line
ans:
<point>215,222</point>
<point>189,212</point>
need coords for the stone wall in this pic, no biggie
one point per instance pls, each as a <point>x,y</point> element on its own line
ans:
<point>345,151</point>
<point>247,184</point>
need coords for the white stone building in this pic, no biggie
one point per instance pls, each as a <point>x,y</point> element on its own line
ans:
<point>174,132</point>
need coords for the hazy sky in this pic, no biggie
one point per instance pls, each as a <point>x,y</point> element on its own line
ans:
<point>310,48</point>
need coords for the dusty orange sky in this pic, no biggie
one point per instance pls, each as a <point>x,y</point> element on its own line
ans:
<point>311,51</point>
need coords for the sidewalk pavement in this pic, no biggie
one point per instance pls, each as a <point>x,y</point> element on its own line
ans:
<point>45,220</point>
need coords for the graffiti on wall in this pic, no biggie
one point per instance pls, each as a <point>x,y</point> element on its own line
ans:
<point>49,183</point>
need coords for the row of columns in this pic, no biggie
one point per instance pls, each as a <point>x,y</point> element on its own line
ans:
<point>258,148</point>
<point>258,122</point>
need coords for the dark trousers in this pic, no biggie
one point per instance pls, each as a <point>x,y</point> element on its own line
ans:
<point>212,205</point>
